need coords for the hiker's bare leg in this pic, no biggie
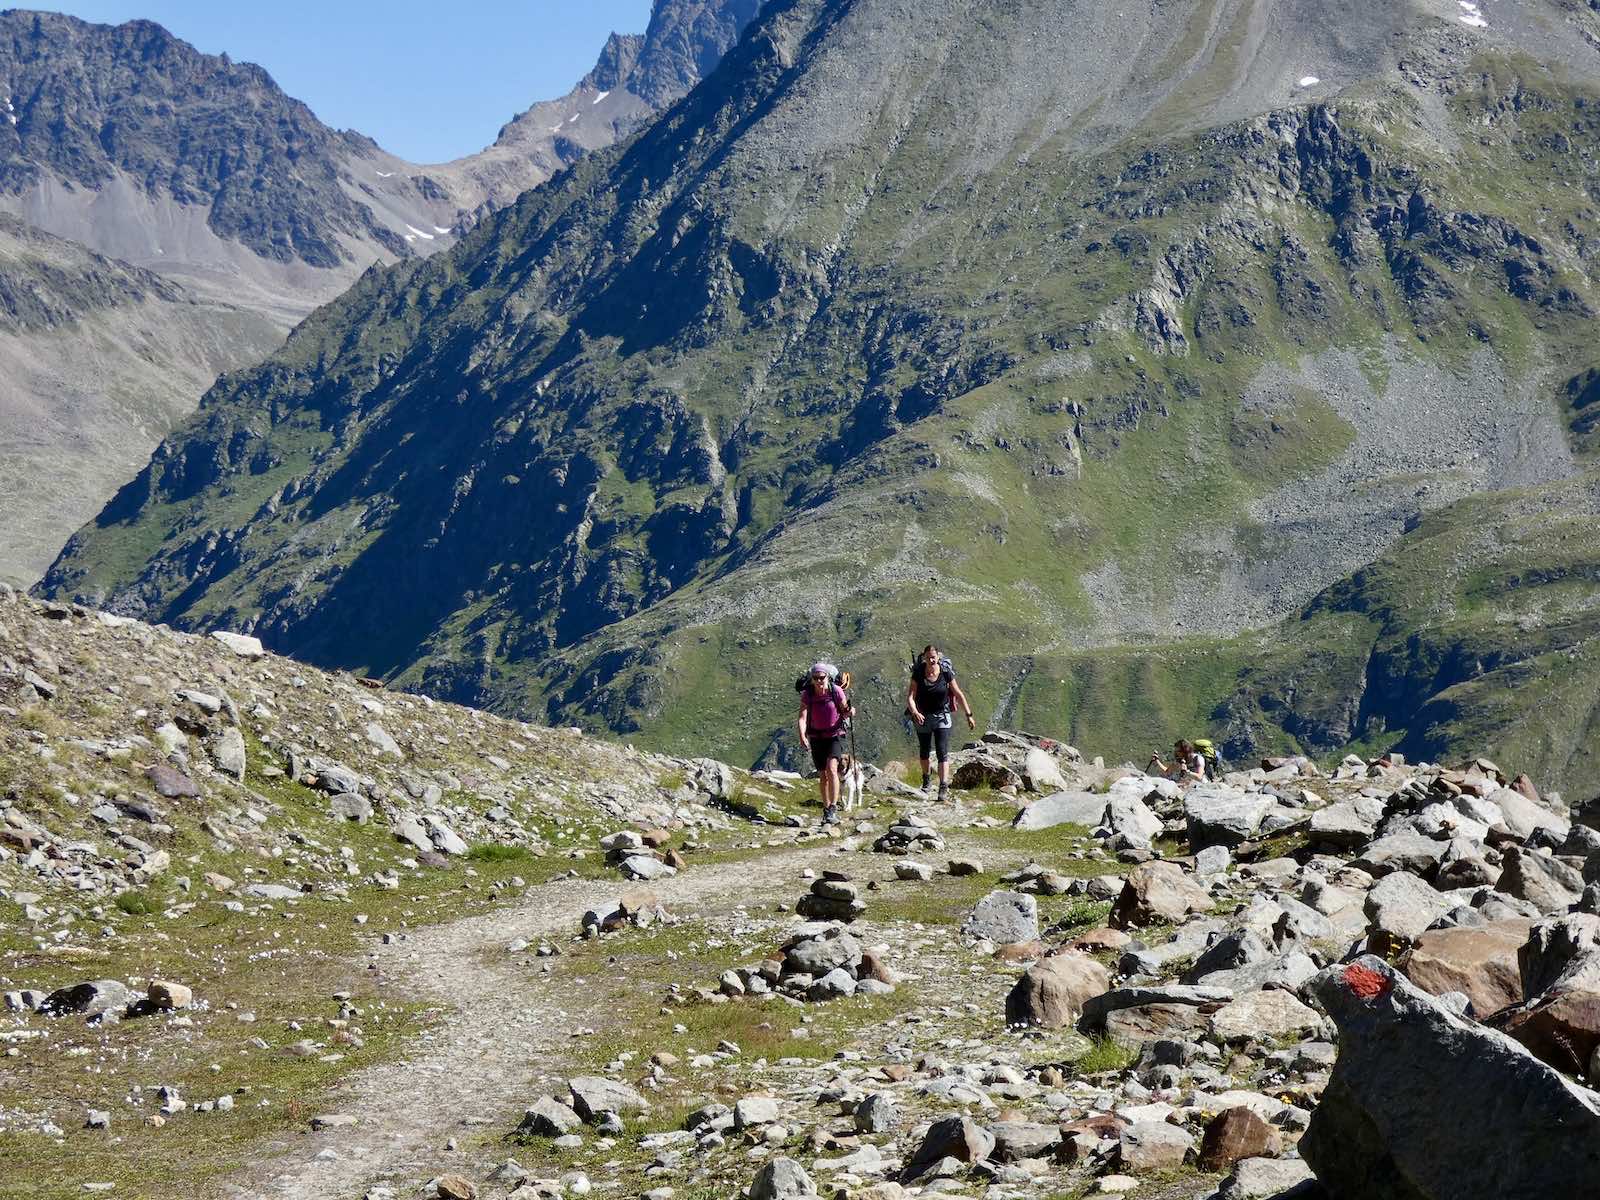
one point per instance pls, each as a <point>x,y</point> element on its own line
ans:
<point>830,784</point>
<point>924,772</point>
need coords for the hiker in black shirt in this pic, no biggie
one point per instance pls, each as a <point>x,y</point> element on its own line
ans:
<point>930,702</point>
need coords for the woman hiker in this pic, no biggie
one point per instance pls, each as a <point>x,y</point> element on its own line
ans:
<point>1188,765</point>
<point>824,709</point>
<point>930,700</point>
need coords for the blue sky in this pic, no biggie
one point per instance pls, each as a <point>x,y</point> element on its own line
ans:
<point>429,81</point>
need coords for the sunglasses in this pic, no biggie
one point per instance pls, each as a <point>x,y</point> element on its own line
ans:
<point>819,677</point>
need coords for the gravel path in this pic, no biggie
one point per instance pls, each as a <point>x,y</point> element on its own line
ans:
<point>479,1065</point>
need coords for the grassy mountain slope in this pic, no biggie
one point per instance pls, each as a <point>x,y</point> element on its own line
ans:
<point>894,331</point>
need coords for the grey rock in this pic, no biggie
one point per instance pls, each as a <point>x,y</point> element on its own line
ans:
<point>550,1118</point>
<point>959,1138</point>
<point>644,866</point>
<point>782,1179</point>
<point>90,999</point>
<point>753,1111</point>
<point>878,1113</point>
<point>1548,883</point>
<point>351,806</point>
<point>835,984</point>
<point>1096,1009</point>
<point>1153,1146</point>
<point>1018,1140</point>
<point>1218,815</point>
<point>593,1096</point>
<point>273,891</point>
<point>1259,1178</point>
<point>228,752</point>
<point>1341,826</point>
<point>1404,851</point>
<point>241,644</point>
<point>1132,822</point>
<point>1063,808</point>
<point>1003,918</point>
<point>1517,1130</point>
<point>816,955</point>
<point>1403,905</point>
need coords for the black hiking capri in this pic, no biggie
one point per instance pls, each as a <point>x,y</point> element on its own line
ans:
<point>938,736</point>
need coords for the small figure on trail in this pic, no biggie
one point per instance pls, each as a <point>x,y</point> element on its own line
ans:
<point>1188,764</point>
<point>931,699</point>
<point>824,716</point>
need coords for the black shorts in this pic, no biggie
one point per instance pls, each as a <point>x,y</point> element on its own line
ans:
<point>928,733</point>
<point>824,748</point>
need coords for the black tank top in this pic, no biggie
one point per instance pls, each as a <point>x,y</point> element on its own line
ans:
<point>933,697</point>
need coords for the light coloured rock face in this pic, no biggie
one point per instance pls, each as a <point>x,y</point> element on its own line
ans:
<point>1404,906</point>
<point>1158,891</point>
<point>1218,815</point>
<point>1052,992</point>
<point>1003,918</point>
<point>1062,808</point>
<point>1274,1013</point>
<point>1480,962</point>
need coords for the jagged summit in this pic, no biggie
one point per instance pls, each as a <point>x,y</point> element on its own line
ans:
<point>1165,364</point>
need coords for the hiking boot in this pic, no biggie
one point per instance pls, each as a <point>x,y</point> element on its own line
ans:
<point>944,793</point>
<point>830,816</point>
<point>924,783</point>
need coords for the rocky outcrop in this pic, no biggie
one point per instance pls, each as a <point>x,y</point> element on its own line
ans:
<point>1517,1129</point>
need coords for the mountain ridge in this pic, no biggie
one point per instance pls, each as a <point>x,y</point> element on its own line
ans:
<point>134,144</point>
<point>872,361</point>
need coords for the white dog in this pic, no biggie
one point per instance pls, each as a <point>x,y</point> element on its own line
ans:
<point>852,778</point>
<point>851,781</point>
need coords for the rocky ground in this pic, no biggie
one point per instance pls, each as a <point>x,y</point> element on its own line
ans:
<point>271,932</point>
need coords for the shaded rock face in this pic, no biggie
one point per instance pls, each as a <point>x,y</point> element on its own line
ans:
<point>1517,1129</point>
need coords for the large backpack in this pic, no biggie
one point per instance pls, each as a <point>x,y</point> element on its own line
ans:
<point>1207,749</point>
<point>945,665</point>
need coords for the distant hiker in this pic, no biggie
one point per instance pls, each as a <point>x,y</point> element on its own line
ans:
<point>1188,764</point>
<point>824,715</point>
<point>931,699</point>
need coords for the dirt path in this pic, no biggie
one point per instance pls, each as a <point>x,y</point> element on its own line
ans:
<point>480,1064</point>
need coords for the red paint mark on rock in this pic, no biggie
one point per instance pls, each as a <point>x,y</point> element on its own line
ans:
<point>1365,982</point>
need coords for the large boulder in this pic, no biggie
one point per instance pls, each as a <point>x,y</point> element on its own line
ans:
<point>1268,1014</point>
<point>1403,906</point>
<point>593,1096</point>
<point>1425,1105</point>
<point>1560,978</point>
<point>1218,815</point>
<point>1052,992</point>
<point>817,954</point>
<point>782,1179</point>
<point>960,1138</point>
<point>1342,826</point>
<point>1158,891</point>
<point>1523,815</point>
<point>1004,917</point>
<point>1560,952</point>
<point>1406,850</point>
<point>1479,961</point>
<point>1546,882</point>
<point>1131,822</point>
<point>1063,808</point>
<point>1237,1133</point>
